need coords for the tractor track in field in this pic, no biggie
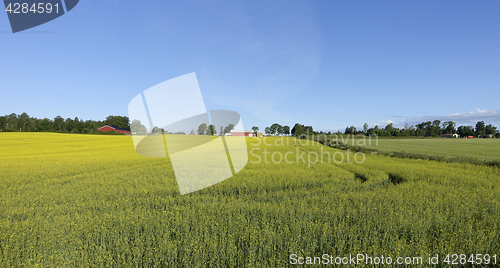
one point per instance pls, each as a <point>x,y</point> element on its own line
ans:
<point>389,177</point>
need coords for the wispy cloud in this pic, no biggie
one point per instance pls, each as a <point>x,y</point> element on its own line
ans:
<point>470,118</point>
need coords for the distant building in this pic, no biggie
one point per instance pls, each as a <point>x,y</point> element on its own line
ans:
<point>242,133</point>
<point>115,129</point>
<point>450,135</point>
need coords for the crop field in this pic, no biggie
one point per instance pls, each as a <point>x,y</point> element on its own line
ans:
<point>476,148</point>
<point>83,200</point>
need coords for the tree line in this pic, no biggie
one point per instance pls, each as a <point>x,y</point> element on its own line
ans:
<point>277,129</point>
<point>435,128</point>
<point>25,123</point>
<point>203,129</point>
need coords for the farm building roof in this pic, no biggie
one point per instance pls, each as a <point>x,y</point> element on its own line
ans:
<point>117,128</point>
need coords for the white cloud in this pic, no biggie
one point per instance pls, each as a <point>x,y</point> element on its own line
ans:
<point>470,118</point>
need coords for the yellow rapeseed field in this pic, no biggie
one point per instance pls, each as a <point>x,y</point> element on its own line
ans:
<point>89,200</point>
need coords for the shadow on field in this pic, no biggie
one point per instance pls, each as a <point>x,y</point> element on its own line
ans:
<point>360,177</point>
<point>395,179</point>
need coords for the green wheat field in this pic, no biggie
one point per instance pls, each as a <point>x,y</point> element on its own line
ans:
<point>452,147</point>
<point>91,201</point>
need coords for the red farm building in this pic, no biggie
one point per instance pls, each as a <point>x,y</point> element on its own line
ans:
<point>242,133</point>
<point>115,129</point>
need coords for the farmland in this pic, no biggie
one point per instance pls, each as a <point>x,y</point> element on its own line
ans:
<point>83,200</point>
<point>476,148</point>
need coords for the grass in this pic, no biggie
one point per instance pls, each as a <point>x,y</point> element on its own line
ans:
<point>476,148</point>
<point>481,149</point>
<point>92,201</point>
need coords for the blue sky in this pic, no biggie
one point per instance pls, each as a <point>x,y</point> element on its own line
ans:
<point>329,64</point>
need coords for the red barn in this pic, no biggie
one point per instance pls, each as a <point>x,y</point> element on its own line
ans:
<point>115,129</point>
<point>242,133</point>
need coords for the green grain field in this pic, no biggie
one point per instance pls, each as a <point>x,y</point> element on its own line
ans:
<point>488,149</point>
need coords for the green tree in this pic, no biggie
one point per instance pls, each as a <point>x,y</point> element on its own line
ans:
<point>436,129</point>
<point>490,130</point>
<point>78,125</point>
<point>465,131</point>
<point>350,130</point>
<point>365,128</point>
<point>211,130</point>
<point>22,122</point>
<point>428,128</point>
<point>299,129</point>
<point>118,121</point>
<point>480,128</point>
<point>449,127</point>
<point>46,125</point>
<point>228,128</point>
<point>68,124</point>
<point>11,123</point>
<point>370,132</point>
<point>279,129</point>
<point>33,124</point>
<point>255,130</point>
<point>156,130</point>
<point>92,126</point>
<point>409,130</point>
<point>309,129</point>
<point>58,123</point>
<point>202,129</point>
<point>286,130</point>
<point>3,120</point>
<point>274,128</point>
<point>137,127</point>
<point>267,131</point>
<point>389,127</point>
